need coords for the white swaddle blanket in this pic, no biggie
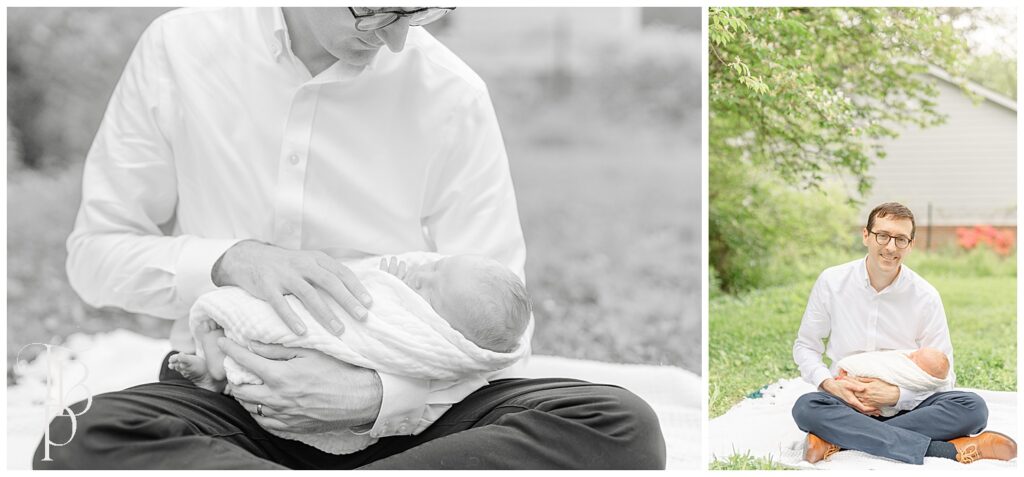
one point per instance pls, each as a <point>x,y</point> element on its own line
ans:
<point>893,367</point>
<point>402,335</point>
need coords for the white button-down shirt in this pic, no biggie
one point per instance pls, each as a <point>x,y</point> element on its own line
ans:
<point>217,132</point>
<point>855,318</point>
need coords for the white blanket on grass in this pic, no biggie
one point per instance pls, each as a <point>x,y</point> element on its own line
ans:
<point>893,367</point>
<point>402,336</point>
<point>764,427</point>
<point>99,364</point>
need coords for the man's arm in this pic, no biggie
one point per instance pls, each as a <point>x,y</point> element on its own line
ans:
<point>117,255</point>
<point>469,207</point>
<point>814,327</point>
<point>808,348</point>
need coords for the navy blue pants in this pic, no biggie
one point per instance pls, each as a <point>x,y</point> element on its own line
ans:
<point>903,437</point>
<point>509,424</point>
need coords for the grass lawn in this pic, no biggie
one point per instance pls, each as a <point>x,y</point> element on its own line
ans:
<point>751,335</point>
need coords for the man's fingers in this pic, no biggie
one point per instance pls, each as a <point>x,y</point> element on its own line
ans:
<point>860,406</point>
<point>255,393</point>
<point>401,269</point>
<point>854,386</point>
<point>317,307</point>
<point>270,423</point>
<point>284,311</point>
<point>274,351</point>
<point>330,283</point>
<point>255,363</point>
<point>383,264</point>
<point>357,299</point>
<point>270,418</point>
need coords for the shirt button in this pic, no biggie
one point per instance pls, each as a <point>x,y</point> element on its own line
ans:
<point>294,159</point>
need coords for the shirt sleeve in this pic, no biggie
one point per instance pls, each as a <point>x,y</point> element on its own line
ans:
<point>469,207</point>
<point>815,326</point>
<point>117,254</point>
<point>934,334</point>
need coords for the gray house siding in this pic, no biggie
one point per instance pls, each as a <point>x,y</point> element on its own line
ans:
<point>965,169</point>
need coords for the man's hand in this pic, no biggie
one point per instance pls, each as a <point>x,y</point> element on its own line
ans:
<point>304,390</point>
<point>877,393</point>
<point>269,273</point>
<point>846,389</point>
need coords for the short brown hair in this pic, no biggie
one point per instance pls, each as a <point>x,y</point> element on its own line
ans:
<point>895,210</point>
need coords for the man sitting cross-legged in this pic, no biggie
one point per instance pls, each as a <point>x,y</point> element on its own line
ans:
<point>877,303</point>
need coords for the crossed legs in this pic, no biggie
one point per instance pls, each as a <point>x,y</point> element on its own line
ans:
<point>509,424</point>
<point>904,437</point>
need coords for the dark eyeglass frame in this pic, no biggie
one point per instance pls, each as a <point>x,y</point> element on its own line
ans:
<point>361,18</point>
<point>879,241</point>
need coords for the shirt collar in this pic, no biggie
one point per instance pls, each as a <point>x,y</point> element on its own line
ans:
<point>275,31</point>
<point>862,273</point>
<point>279,43</point>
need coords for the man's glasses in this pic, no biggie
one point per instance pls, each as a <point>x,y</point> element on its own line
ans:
<point>374,19</point>
<point>882,238</point>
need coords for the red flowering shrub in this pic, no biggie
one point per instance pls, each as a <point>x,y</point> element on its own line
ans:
<point>1001,241</point>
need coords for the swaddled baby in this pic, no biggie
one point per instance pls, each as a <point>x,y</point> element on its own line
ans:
<point>433,317</point>
<point>920,370</point>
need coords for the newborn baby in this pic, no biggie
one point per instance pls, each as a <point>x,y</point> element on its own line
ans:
<point>433,317</point>
<point>479,297</point>
<point>921,370</point>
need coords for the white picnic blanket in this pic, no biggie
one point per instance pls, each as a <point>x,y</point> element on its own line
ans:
<point>99,362</point>
<point>764,427</point>
<point>402,336</point>
<point>893,367</point>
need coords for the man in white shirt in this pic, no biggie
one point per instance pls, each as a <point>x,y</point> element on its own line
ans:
<point>877,303</point>
<point>260,136</point>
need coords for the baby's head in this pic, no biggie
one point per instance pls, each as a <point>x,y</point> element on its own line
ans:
<point>479,297</point>
<point>931,361</point>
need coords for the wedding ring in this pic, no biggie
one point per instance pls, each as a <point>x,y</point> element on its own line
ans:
<point>259,409</point>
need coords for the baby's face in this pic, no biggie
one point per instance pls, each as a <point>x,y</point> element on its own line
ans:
<point>446,283</point>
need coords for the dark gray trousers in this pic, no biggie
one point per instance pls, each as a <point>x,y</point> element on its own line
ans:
<point>510,424</point>
<point>903,437</point>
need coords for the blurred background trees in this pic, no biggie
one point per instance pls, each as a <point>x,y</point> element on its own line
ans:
<point>800,99</point>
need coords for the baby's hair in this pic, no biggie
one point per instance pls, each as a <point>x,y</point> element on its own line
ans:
<point>941,366</point>
<point>504,310</point>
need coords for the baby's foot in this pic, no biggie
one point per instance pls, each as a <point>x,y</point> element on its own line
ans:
<point>194,369</point>
<point>208,333</point>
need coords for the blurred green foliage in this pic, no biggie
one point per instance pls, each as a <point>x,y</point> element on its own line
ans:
<point>996,72</point>
<point>799,97</point>
<point>62,64</point>
<point>763,232</point>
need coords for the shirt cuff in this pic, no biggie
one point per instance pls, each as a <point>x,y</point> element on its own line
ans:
<point>195,266</point>
<point>909,400</point>
<point>819,376</point>
<point>401,406</point>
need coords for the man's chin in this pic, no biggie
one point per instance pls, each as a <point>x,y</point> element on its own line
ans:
<point>888,264</point>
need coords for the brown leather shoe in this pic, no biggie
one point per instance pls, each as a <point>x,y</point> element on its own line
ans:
<point>987,445</point>
<point>818,449</point>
